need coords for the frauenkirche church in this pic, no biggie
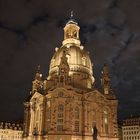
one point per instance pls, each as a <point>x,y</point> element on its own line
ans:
<point>66,105</point>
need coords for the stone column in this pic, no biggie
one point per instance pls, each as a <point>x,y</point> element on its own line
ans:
<point>26,119</point>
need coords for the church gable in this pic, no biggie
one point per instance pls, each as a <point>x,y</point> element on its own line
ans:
<point>37,95</point>
<point>94,96</point>
<point>64,92</point>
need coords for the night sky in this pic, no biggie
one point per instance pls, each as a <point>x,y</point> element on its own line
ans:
<point>30,30</point>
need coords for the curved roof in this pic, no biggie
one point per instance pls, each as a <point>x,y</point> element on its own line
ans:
<point>78,60</point>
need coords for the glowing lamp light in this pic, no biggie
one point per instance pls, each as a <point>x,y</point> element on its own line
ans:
<point>56,49</point>
<point>92,130</point>
<point>68,46</point>
<point>81,47</point>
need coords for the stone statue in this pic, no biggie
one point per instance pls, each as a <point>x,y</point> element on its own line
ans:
<point>95,132</point>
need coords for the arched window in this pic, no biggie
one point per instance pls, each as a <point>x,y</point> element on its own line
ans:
<point>84,61</point>
<point>68,35</point>
<point>106,90</point>
<point>75,34</point>
<point>60,108</point>
<point>76,113</point>
<point>76,117</point>
<point>105,116</point>
<point>60,117</point>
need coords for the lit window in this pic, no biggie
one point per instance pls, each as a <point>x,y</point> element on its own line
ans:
<point>106,90</point>
<point>106,121</point>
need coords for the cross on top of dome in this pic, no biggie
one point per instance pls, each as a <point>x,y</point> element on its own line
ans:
<point>71,14</point>
<point>72,20</point>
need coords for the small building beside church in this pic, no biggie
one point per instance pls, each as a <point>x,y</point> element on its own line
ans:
<point>131,128</point>
<point>11,131</point>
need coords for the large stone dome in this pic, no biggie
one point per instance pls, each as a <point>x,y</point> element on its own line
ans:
<point>78,60</point>
<point>77,57</point>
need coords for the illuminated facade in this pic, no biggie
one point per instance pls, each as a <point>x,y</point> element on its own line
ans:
<point>131,128</point>
<point>66,106</point>
<point>10,131</point>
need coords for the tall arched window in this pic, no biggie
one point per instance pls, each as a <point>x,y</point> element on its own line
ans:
<point>105,116</point>
<point>76,113</point>
<point>76,117</point>
<point>60,117</point>
<point>75,34</point>
<point>60,108</point>
<point>84,61</point>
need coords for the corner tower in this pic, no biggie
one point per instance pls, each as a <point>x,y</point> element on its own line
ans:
<point>80,65</point>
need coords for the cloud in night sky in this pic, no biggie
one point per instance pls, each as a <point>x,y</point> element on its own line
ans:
<point>31,29</point>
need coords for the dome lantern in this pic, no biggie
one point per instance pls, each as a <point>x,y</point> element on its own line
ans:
<point>79,63</point>
<point>71,32</point>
